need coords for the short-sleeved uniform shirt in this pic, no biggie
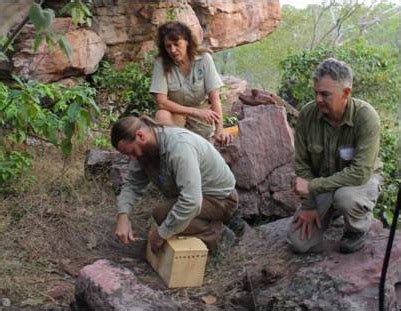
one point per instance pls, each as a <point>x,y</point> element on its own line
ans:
<point>188,90</point>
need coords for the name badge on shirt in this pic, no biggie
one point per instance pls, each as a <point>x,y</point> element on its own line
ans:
<point>347,153</point>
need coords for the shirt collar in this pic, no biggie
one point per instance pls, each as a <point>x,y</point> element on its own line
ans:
<point>161,139</point>
<point>348,114</point>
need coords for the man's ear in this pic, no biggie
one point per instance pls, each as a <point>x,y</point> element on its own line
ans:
<point>140,135</point>
<point>347,92</point>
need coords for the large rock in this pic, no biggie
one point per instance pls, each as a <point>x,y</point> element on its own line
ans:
<point>232,23</point>
<point>104,286</point>
<point>107,164</point>
<point>52,65</point>
<point>12,13</point>
<point>329,280</point>
<point>261,160</point>
<point>129,27</point>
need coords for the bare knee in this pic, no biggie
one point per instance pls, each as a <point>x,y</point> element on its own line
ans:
<point>164,117</point>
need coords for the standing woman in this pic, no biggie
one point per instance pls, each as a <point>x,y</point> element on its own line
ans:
<point>186,84</point>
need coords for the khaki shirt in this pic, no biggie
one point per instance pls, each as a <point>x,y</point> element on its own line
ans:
<point>188,90</point>
<point>331,157</point>
<point>187,167</point>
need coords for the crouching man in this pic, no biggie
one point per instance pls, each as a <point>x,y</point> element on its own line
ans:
<point>185,168</point>
<point>336,162</point>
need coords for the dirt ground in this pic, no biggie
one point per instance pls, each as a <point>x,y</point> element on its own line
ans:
<point>57,222</point>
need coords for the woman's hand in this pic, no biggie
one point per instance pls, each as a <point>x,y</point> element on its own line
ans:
<point>223,138</point>
<point>207,115</point>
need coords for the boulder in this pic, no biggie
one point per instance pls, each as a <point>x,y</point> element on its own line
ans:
<point>328,280</point>
<point>232,23</point>
<point>107,164</point>
<point>230,93</point>
<point>261,159</point>
<point>52,65</point>
<point>129,27</point>
<point>105,286</point>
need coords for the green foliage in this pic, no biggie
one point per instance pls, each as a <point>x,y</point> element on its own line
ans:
<point>230,120</point>
<point>12,165</point>
<point>50,112</point>
<point>79,11</point>
<point>102,142</point>
<point>259,62</point>
<point>129,86</point>
<point>375,69</point>
<point>390,155</point>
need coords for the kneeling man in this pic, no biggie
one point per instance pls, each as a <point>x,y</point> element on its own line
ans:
<point>336,162</point>
<point>186,168</point>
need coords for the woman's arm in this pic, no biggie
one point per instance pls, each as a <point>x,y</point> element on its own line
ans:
<point>219,135</point>
<point>208,115</point>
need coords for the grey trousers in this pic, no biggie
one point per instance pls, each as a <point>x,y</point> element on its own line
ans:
<point>354,203</point>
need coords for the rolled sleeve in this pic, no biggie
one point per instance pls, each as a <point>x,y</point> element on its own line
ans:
<point>186,169</point>
<point>159,80</point>
<point>212,78</point>
<point>132,189</point>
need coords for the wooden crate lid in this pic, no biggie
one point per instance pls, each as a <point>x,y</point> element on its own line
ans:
<point>183,243</point>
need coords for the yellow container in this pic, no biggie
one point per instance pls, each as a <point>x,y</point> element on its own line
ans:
<point>181,262</point>
<point>233,130</point>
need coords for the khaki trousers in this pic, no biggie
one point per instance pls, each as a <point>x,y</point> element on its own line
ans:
<point>354,203</point>
<point>209,224</point>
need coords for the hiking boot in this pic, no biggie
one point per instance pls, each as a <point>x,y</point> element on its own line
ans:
<point>237,224</point>
<point>352,241</point>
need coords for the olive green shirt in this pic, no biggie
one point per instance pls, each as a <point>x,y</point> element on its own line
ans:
<point>333,157</point>
<point>186,167</point>
<point>188,90</point>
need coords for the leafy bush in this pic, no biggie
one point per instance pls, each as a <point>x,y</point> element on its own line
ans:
<point>375,69</point>
<point>376,80</point>
<point>49,112</point>
<point>129,86</point>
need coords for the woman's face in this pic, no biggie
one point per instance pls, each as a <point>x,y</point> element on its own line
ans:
<point>177,50</point>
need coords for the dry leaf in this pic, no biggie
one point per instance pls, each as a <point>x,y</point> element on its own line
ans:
<point>209,299</point>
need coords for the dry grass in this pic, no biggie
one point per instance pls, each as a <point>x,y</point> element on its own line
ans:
<point>62,222</point>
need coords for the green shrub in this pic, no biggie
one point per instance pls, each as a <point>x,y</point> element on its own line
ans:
<point>129,86</point>
<point>48,112</point>
<point>376,77</point>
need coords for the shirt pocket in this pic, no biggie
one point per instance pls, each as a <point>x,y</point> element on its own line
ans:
<point>316,155</point>
<point>175,92</point>
<point>198,91</point>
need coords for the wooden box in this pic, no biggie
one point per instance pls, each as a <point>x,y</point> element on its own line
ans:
<point>181,262</point>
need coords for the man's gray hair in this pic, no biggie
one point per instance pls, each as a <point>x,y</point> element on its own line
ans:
<point>337,70</point>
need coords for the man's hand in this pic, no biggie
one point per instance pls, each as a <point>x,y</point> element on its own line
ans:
<point>124,230</point>
<point>301,186</point>
<point>155,240</point>
<point>306,220</point>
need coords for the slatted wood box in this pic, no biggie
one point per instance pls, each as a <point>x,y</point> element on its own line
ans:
<point>181,262</point>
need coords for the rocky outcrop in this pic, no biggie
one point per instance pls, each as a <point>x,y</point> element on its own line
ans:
<point>326,280</point>
<point>128,29</point>
<point>104,286</point>
<point>261,160</point>
<point>52,65</point>
<point>12,13</point>
<point>232,23</point>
